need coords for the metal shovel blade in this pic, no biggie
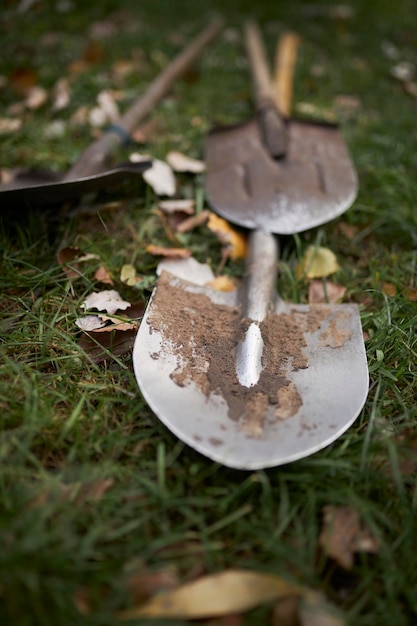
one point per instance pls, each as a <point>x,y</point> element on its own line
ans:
<point>46,188</point>
<point>315,182</point>
<point>244,378</point>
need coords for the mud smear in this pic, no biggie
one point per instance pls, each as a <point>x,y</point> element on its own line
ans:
<point>203,337</point>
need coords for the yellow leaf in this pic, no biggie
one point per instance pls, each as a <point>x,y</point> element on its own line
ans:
<point>318,262</point>
<point>212,596</point>
<point>128,275</point>
<point>177,253</point>
<point>222,283</point>
<point>235,241</point>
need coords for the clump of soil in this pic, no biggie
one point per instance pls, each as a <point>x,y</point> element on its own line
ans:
<point>204,336</point>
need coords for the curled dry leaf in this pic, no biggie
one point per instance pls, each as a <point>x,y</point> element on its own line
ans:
<point>105,323</point>
<point>344,534</point>
<point>108,300</point>
<point>232,591</point>
<point>90,322</point>
<point>222,283</point>
<point>61,94</point>
<point>9,125</point>
<point>103,276</point>
<point>231,238</point>
<point>161,178</point>
<point>321,292</point>
<point>177,253</point>
<point>36,97</point>
<point>71,259</point>
<point>318,262</point>
<point>172,206</point>
<point>193,222</point>
<point>106,111</point>
<point>105,346</point>
<point>182,163</point>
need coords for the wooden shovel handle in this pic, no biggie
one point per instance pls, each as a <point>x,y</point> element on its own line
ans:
<point>271,123</point>
<point>285,60</point>
<point>95,158</point>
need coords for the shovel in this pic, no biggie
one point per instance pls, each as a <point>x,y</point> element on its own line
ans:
<point>91,172</point>
<point>245,378</point>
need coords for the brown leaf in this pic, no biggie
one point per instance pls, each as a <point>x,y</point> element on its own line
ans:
<point>103,347</point>
<point>22,79</point>
<point>320,292</point>
<point>143,584</point>
<point>286,612</point>
<point>410,294</point>
<point>193,222</point>
<point>103,276</point>
<point>389,289</point>
<point>343,534</point>
<point>177,253</point>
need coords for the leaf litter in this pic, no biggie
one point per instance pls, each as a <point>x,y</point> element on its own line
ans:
<point>344,534</point>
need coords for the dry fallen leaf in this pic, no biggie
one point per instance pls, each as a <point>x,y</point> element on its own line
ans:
<point>22,79</point>
<point>61,94</point>
<point>234,240</point>
<point>128,275</point>
<point>106,111</point>
<point>231,591</point>
<point>182,163</point>
<point>105,346</point>
<point>161,178</point>
<point>108,300</point>
<point>178,253</point>
<point>172,206</point>
<point>389,289</point>
<point>222,283</point>
<point>103,276</point>
<point>71,259</point>
<point>315,610</point>
<point>320,292</point>
<point>344,534</point>
<point>36,97</point>
<point>193,222</point>
<point>9,125</point>
<point>100,323</point>
<point>318,262</point>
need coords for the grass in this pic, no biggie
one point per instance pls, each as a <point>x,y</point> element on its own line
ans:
<point>70,426</point>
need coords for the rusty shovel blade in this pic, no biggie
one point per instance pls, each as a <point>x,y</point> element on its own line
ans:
<point>314,183</point>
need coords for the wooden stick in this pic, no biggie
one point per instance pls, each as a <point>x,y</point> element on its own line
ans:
<point>285,60</point>
<point>94,159</point>
<point>271,123</point>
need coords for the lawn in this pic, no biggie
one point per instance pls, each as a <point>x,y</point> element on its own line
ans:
<point>101,506</point>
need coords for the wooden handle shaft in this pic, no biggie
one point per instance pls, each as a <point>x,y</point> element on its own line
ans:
<point>285,60</point>
<point>94,159</point>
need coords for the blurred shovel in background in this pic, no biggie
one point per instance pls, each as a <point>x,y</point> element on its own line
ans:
<point>91,172</point>
<point>245,378</point>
